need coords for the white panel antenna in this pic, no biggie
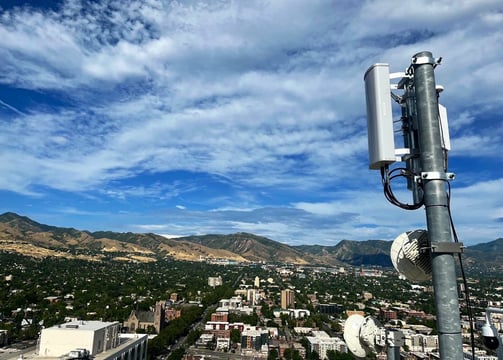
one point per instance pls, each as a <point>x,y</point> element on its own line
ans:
<point>379,116</point>
<point>444,128</point>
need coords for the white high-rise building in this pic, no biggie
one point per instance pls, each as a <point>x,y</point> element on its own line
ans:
<point>96,339</point>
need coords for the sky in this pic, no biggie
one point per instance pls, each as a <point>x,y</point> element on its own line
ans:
<point>225,116</point>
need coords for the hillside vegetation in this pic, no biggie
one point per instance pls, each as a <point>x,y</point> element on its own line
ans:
<point>19,234</point>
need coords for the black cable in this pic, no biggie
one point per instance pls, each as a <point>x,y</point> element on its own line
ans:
<point>463,275</point>
<point>387,176</point>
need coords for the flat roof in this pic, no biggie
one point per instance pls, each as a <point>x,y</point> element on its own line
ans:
<point>32,354</point>
<point>82,325</point>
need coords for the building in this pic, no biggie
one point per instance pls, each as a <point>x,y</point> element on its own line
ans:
<point>298,313</point>
<point>204,340</point>
<point>422,343</point>
<point>251,296</point>
<point>220,317</point>
<point>223,343</point>
<point>388,314</point>
<point>287,299</point>
<point>254,339</point>
<point>216,325</point>
<point>354,312</point>
<point>321,342</point>
<point>171,314</point>
<point>147,319</point>
<point>234,302</point>
<point>215,281</point>
<point>100,340</point>
<point>330,309</point>
<point>298,347</point>
<point>370,272</point>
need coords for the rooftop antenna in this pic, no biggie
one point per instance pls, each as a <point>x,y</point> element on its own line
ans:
<point>426,143</point>
<point>365,335</point>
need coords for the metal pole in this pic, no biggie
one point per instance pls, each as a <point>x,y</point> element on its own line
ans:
<point>394,340</point>
<point>433,177</point>
<point>393,353</point>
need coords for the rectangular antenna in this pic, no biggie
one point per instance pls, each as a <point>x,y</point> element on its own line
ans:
<point>379,116</point>
<point>444,127</point>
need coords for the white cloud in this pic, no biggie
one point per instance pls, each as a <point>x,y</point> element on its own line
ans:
<point>476,145</point>
<point>116,91</point>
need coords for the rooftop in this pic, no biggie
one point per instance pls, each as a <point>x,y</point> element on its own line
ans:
<point>82,325</point>
<point>32,354</point>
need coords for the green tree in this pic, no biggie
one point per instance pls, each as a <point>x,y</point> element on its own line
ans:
<point>284,319</point>
<point>177,354</point>
<point>336,355</point>
<point>273,354</point>
<point>235,336</point>
<point>291,354</point>
<point>193,336</point>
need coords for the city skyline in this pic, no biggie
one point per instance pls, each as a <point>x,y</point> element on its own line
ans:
<point>183,118</point>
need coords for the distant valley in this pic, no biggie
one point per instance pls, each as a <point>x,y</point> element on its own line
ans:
<point>22,235</point>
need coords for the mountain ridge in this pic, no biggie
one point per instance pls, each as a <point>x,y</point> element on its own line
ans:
<point>28,237</point>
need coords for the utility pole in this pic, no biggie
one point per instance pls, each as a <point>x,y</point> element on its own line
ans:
<point>433,179</point>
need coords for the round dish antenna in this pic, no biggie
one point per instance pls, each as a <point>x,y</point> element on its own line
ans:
<point>352,335</point>
<point>361,334</point>
<point>369,330</point>
<point>410,255</point>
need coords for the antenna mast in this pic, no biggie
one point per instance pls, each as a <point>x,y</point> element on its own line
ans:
<point>425,154</point>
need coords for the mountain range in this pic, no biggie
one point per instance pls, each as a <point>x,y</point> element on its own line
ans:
<point>20,234</point>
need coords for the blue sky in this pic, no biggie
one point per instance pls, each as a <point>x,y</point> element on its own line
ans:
<point>198,117</point>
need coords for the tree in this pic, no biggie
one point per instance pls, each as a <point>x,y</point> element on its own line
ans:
<point>193,336</point>
<point>335,326</point>
<point>336,355</point>
<point>235,336</point>
<point>305,343</point>
<point>151,329</point>
<point>177,354</point>
<point>273,354</point>
<point>266,310</point>
<point>291,354</point>
<point>284,319</point>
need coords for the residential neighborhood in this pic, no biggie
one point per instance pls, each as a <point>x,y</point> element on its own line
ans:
<point>198,310</point>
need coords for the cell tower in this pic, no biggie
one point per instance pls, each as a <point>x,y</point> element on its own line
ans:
<point>424,155</point>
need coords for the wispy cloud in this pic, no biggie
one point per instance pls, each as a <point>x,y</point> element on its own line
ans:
<point>12,108</point>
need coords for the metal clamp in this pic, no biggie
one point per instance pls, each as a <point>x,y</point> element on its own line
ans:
<point>423,60</point>
<point>447,248</point>
<point>437,175</point>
